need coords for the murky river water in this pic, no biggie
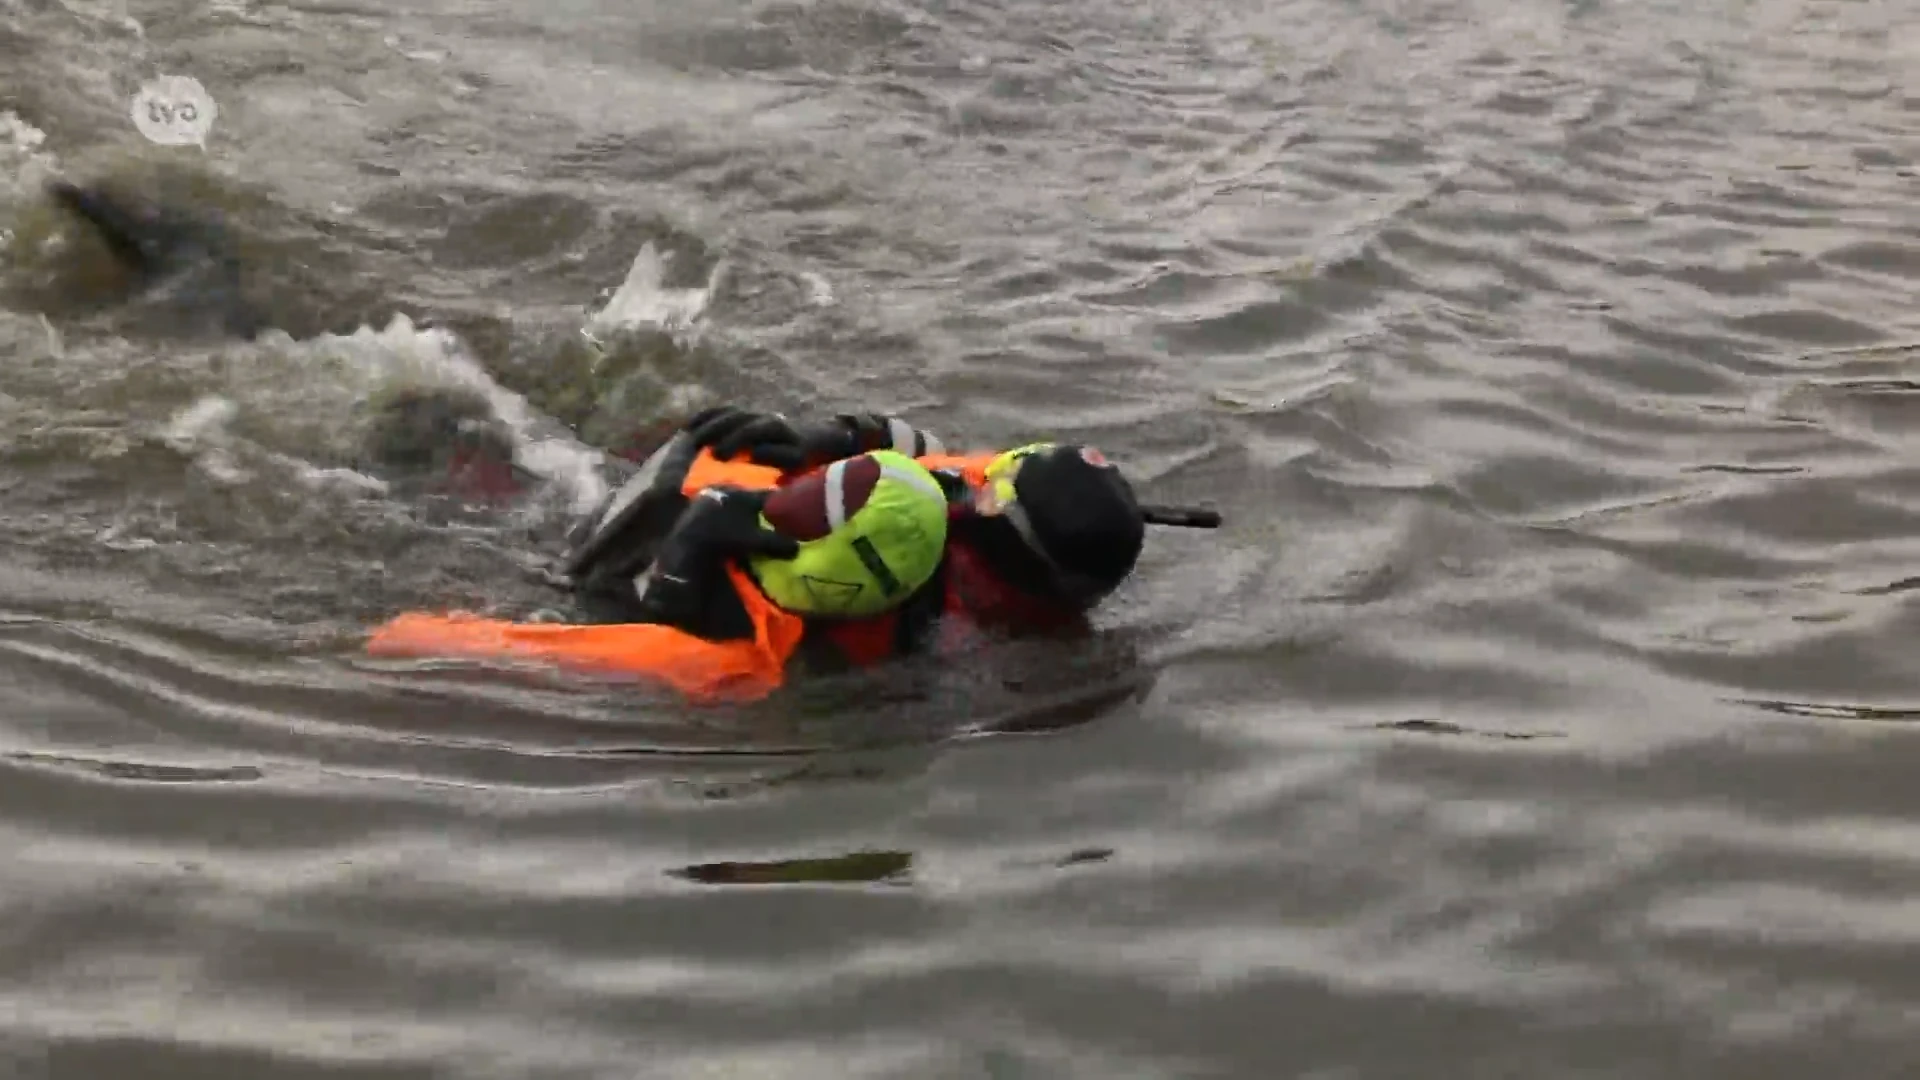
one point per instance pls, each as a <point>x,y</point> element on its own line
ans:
<point>1540,712</point>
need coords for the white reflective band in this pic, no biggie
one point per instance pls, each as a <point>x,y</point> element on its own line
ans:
<point>918,480</point>
<point>836,495</point>
<point>900,436</point>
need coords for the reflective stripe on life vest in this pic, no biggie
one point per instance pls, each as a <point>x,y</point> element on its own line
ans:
<point>876,639</point>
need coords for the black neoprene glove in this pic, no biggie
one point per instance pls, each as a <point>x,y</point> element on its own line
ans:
<point>773,440</point>
<point>688,586</point>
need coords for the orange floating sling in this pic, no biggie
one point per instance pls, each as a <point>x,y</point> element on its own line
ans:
<point>694,666</point>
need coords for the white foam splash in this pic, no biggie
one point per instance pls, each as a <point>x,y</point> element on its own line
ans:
<point>358,366</point>
<point>348,481</point>
<point>819,289</point>
<point>314,382</point>
<point>25,164</point>
<point>644,300</point>
<point>22,136</point>
<point>56,342</point>
<point>201,433</point>
<point>402,353</point>
<point>308,391</point>
<point>423,55</point>
<point>193,423</point>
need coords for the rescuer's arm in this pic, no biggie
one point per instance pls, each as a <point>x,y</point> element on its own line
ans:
<point>690,585</point>
<point>772,439</point>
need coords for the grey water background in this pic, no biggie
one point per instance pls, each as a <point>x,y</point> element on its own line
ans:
<point>1543,709</point>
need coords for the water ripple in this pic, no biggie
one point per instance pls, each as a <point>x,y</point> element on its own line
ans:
<point>1543,708</point>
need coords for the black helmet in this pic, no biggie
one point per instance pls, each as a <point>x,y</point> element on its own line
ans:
<point>1059,520</point>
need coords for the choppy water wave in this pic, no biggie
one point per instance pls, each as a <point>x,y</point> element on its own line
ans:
<point>1543,708</point>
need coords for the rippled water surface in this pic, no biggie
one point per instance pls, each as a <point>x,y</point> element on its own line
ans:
<point>1541,711</point>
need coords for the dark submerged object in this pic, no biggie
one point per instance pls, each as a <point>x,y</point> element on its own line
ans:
<point>186,256</point>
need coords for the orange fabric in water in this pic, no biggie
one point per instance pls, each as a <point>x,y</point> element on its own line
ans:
<point>700,669</point>
<point>971,466</point>
<point>708,471</point>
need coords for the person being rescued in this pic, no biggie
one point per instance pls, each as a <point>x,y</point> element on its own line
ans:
<point>683,581</point>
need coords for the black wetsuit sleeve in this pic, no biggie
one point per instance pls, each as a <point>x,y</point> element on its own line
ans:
<point>695,596</point>
<point>953,484</point>
<point>688,587</point>
<point>877,431</point>
<point>622,538</point>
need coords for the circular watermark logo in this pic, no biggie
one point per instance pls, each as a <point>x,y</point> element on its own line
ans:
<point>174,110</point>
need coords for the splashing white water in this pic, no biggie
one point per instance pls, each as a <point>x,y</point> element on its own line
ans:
<point>644,300</point>
<point>819,289</point>
<point>203,432</point>
<point>304,390</point>
<point>405,355</point>
<point>284,400</point>
<point>25,164</point>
